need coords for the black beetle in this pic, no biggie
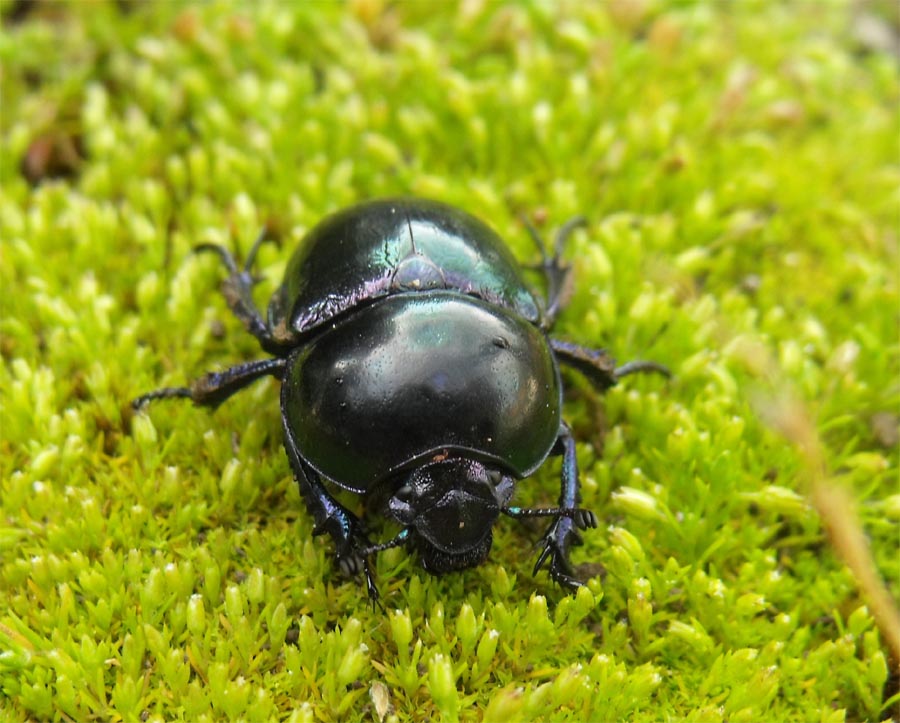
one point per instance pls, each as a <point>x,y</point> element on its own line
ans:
<point>416,369</point>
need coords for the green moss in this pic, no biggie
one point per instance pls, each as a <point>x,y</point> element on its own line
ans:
<point>738,165</point>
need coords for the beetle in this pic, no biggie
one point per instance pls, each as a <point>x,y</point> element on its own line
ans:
<point>416,369</point>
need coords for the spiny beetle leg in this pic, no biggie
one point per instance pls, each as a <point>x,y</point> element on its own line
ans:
<point>213,388</point>
<point>563,533</point>
<point>237,289</point>
<point>330,516</point>
<point>598,366</point>
<point>557,273</point>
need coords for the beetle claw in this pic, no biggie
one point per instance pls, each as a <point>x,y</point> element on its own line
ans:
<point>351,564</point>
<point>542,558</point>
<point>371,588</point>
<point>563,533</point>
<point>223,253</point>
<point>564,579</point>
<point>353,556</point>
<point>263,237</point>
<point>560,569</point>
<point>584,519</point>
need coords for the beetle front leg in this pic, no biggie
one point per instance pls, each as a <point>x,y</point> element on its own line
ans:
<point>563,533</point>
<point>330,516</point>
<point>238,292</point>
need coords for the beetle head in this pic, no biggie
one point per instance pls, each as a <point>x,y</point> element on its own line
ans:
<point>449,507</point>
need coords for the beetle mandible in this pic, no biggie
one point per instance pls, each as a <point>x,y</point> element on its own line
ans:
<point>416,368</point>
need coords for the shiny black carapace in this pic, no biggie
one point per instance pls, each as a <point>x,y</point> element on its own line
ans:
<point>416,369</point>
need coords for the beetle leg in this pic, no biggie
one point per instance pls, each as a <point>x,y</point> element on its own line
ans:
<point>598,366</point>
<point>557,273</point>
<point>563,533</point>
<point>330,516</point>
<point>238,292</point>
<point>213,388</point>
<point>401,538</point>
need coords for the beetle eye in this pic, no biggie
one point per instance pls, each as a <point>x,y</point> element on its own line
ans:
<point>494,475</point>
<point>400,505</point>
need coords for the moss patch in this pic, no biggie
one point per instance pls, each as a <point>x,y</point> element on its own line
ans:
<point>738,166</point>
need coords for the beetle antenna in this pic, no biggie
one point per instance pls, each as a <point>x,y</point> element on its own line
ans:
<point>397,541</point>
<point>581,517</point>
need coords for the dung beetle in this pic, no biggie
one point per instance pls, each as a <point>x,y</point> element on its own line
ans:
<point>416,369</point>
